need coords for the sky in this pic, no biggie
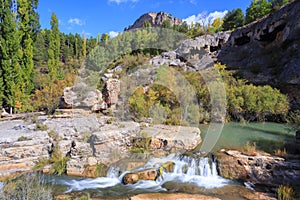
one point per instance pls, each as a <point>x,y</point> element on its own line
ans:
<point>93,17</point>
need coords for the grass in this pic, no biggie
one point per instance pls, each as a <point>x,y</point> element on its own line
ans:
<point>279,152</point>
<point>284,192</point>
<point>58,161</point>
<point>41,127</point>
<point>249,149</point>
<point>29,186</point>
<point>23,138</point>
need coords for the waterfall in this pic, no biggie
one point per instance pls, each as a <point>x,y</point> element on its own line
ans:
<point>201,172</point>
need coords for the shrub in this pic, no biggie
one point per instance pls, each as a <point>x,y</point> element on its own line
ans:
<point>29,186</point>
<point>284,192</point>
<point>40,127</point>
<point>23,138</point>
<point>58,161</point>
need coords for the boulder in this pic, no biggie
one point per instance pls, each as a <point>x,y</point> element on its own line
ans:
<point>168,166</point>
<point>110,143</point>
<point>262,168</point>
<point>148,174</point>
<point>172,137</point>
<point>111,92</point>
<point>81,97</point>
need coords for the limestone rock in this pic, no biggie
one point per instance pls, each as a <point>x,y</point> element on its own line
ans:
<point>111,92</point>
<point>111,142</point>
<point>155,19</point>
<point>74,97</point>
<point>268,51</point>
<point>176,137</point>
<point>16,155</point>
<point>132,178</point>
<point>262,168</point>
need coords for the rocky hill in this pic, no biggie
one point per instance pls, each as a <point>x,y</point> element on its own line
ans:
<point>155,19</point>
<point>268,51</point>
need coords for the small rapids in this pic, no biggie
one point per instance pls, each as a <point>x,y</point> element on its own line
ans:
<point>200,172</point>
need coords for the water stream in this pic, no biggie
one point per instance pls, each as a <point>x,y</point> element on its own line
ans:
<point>200,172</point>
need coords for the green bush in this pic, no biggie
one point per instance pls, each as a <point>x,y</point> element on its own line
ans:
<point>23,138</point>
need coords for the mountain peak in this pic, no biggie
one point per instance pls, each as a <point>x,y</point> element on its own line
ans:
<point>155,18</point>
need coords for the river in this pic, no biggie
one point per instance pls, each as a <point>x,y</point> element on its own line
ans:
<point>190,175</point>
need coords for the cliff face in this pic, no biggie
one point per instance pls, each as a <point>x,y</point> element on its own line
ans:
<point>156,19</point>
<point>268,51</point>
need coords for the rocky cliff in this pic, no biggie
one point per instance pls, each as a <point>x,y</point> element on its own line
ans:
<point>155,19</point>
<point>268,51</point>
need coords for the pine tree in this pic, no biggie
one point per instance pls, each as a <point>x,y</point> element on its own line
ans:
<point>25,30</point>
<point>10,54</point>
<point>54,48</point>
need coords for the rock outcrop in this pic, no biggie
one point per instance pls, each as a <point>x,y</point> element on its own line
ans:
<point>21,147</point>
<point>261,169</point>
<point>170,138</point>
<point>155,19</point>
<point>268,51</point>
<point>194,54</point>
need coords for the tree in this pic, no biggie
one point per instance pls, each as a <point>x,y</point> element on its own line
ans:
<point>278,3</point>
<point>147,24</point>
<point>166,24</point>
<point>233,19</point>
<point>40,49</point>
<point>84,47</point>
<point>54,48</point>
<point>257,9</point>
<point>10,54</point>
<point>217,24</point>
<point>104,38</point>
<point>25,29</point>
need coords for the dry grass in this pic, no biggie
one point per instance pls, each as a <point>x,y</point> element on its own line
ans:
<point>284,192</point>
<point>250,149</point>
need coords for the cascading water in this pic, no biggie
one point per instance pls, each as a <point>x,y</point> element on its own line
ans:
<point>199,172</point>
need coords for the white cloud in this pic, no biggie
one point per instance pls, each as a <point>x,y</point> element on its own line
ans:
<point>204,16</point>
<point>122,1</point>
<point>76,21</point>
<point>193,2</point>
<point>113,34</point>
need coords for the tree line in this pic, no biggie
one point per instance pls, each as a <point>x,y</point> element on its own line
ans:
<point>35,61</point>
<point>257,9</point>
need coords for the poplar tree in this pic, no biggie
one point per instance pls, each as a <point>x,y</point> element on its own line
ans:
<point>54,48</point>
<point>25,30</point>
<point>10,54</point>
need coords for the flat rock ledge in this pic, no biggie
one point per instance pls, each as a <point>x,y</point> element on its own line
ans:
<point>92,143</point>
<point>258,168</point>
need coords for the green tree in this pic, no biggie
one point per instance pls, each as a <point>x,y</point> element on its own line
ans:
<point>10,55</point>
<point>217,24</point>
<point>147,24</point>
<point>24,25</point>
<point>105,38</point>
<point>233,19</point>
<point>257,9</point>
<point>84,47</point>
<point>40,54</point>
<point>54,48</point>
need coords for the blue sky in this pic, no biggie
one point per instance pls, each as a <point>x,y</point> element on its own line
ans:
<point>109,16</point>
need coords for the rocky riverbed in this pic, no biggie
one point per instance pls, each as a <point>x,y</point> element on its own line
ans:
<point>88,141</point>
